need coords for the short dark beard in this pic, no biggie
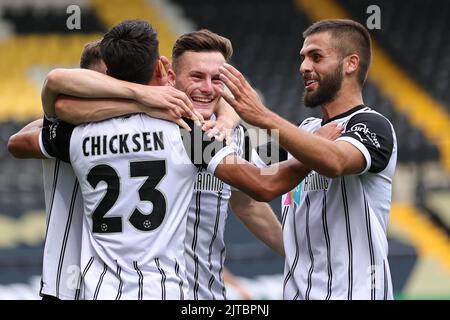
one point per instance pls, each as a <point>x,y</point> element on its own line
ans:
<point>329,87</point>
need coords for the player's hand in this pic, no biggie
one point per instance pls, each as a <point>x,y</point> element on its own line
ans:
<point>155,113</point>
<point>219,129</point>
<point>244,99</point>
<point>330,131</point>
<point>170,100</point>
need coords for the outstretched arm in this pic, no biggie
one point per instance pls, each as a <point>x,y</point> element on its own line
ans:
<point>25,143</point>
<point>260,219</point>
<point>330,158</point>
<point>261,184</point>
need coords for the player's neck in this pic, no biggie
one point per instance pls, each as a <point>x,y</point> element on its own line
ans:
<point>346,99</point>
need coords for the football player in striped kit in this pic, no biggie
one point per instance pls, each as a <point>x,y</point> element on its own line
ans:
<point>335,221</point>
<point>63,202</point>
<point>143,165</point>
<point>61,258</point>
<point>197,57</point>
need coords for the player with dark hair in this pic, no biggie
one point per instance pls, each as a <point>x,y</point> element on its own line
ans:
<point>336,219</point>
<point>136,176</point>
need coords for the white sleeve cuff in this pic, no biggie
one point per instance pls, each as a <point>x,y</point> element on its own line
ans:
<point>256,160</point>
<point>41,146</point>
<point>361,148</point>
<point>218,157</point>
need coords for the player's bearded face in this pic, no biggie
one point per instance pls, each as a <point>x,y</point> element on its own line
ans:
<point>328,86</point>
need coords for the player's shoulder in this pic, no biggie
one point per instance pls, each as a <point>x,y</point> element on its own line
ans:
<point>369,115</point>
<point>311,121</point>
<point>132,122</point>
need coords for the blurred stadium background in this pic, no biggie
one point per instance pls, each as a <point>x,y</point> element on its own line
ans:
<point>409,83</point>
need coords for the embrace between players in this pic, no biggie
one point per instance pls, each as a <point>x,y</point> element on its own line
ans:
<point>137,193</point>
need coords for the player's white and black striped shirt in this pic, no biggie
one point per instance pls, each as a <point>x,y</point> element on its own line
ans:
<point>64,210</point>
<point>136,177</point>
<point>334,230</point>
<point>205,244</point>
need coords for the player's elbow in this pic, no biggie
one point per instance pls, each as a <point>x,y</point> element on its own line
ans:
<point>16,146</point>
<point>55,79</point>
<point>332,170</point>
<point>65,110</point>
<point>264,193</point>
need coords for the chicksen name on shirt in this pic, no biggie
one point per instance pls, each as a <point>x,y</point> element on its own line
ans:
<point>122,143</point>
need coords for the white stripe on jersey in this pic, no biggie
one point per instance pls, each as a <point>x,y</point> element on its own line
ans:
<point>131,254</point>
<point>64,209</point>
<point>335,231</point>
<point>205,244</point>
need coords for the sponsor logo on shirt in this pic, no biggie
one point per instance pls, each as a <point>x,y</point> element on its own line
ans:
<point>361,128</point>
<point>207,182</point>
<point>315,182</point>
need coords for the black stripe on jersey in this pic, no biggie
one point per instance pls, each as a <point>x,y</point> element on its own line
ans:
<point>222,259</point>
<point>194,242</point>
<point>216,228</point>
<point>297,251</point>
<point>52,198</point>
<point>210,284</point>
<point>118,272</point>
<point>177,272</point>
<point>100,281</point>
<point>196,284</point>
<point>77,294</point>
<point>385,280</point>
<point>163,279</point>
<point>327,241</point>
<point>372,254</point>
<point>311,255</point>
<point>296,295</point>
<point>349,239</point>
<point>66,237</point>
<point>283,216</point>
<point>197,142</point>
<point>140,281</point>
<point>247,146</point>
<point>83,275</point>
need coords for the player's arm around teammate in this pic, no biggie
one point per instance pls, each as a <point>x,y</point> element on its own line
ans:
<point>90,84</point>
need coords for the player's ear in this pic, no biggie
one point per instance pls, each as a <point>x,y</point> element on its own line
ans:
<point>351,64</point>
<point>160,77</point>
<point>171,78</point>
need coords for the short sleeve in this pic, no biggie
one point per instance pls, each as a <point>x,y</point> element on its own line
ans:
<point>204,152</point>
<point>55,140</point>
<point>372,134</point>
<point>268,153</point>
<point>240,140</point>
